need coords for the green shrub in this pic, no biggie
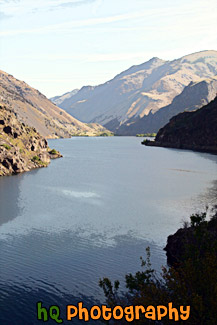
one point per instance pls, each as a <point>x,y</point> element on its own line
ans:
<point>150,135</point>
<point>106,134</point>
<point>36,159</point>
<point>145,141</point>
<point>39,162</point>
<point>53,152</point>
<point>6,146</point>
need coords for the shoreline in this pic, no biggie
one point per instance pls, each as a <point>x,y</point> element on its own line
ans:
<point>204,149</point>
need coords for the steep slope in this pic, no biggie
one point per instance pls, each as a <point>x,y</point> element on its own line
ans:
<point>58,100</point>
<point>35,110</point>
<point>140,90</point>
<point>21,147</point>
<point>190,130</point>
<point>194,96</point>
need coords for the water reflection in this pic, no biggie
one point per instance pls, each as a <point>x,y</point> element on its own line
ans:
<point>10,206</point>
<point>210,196</point>
<point>63,270</point>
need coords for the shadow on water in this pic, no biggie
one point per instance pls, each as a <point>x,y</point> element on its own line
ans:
<point>210,196</point>
<point>209,156</point>
<point>10,206</point>
<point>23,304</point>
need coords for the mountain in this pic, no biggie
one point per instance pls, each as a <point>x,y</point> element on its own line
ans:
<point>139,91</point>
<point>194,96</point>
<point>22,148</point>
<point>35,110</point>
<point>58,100</point>
<point>190,130</point>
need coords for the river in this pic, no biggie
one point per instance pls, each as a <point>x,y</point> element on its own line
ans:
<point>91,214</point>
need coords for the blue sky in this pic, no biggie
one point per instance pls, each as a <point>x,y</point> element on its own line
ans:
<point>58,45</point>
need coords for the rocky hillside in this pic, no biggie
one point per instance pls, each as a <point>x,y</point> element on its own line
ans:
<point>194,96</point>
<point>190,130</point>
<point>22,148</point>
<point>34,109</point>
<point>199,234</point>
<point>139,91</point>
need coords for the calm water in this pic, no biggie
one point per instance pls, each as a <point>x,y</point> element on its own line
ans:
<point>92,214</point>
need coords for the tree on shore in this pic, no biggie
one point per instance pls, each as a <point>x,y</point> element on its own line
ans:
<point>189,280</point>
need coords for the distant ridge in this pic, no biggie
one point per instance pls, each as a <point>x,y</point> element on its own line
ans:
<point>141,91</point>
<point>59,99</point>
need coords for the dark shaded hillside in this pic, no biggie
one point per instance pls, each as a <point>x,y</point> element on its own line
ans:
<point>190,130</point>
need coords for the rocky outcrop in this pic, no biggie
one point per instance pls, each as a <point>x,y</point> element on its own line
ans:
<point>22,148</point>
<point>190,130</point>
<point>195,239</point>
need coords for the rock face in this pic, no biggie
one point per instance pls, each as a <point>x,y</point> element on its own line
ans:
<point>190,130</point>
<point>187,240</point>
<point>35,110</point>
<point>176,245</point>
<point>142,91</point>
<point>22,148</point>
